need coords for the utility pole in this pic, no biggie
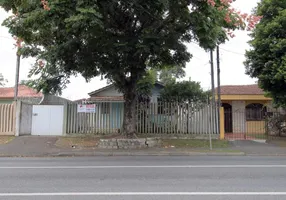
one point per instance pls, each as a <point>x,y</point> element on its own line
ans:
<point>218,86</point>
<point>213,93</point>
<point>17,76</point>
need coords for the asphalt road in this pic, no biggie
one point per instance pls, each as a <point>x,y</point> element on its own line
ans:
<point>143,177</point>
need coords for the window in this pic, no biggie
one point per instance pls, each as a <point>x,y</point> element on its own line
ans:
<point>255,112</point>
<point>105,108</point>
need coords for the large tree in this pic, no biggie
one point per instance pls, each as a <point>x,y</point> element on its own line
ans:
<point>266,60</point>
<point>119,39</point>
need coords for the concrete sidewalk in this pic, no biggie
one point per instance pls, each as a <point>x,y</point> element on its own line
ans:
<point>252,147</point>
<point>35,146</point>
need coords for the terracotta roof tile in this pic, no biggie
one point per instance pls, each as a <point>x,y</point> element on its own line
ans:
<point>23,91</point>
<point>241,90</point>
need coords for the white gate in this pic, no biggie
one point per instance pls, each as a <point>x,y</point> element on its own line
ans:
<point>47,120</point>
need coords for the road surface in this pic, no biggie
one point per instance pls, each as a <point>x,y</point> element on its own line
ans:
<point>144,177</point>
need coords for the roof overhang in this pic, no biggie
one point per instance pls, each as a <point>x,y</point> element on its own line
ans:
<point>244,97</point>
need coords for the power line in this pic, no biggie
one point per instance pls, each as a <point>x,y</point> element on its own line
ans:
<point>232,51</point>
<point>222,49</point>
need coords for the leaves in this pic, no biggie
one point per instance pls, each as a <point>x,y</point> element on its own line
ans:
<point>113,38</point>
<point>267,58</point>
<point>184,91</point>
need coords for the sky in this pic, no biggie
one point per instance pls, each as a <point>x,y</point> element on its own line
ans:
<point>231,61</point>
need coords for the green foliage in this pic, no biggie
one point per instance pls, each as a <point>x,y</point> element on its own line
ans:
<point>267,58</point>
<point>170,74</point>
<point>46,87</point>
<point>111,38</point>
<point>145,85</point>
<point>184,91</point>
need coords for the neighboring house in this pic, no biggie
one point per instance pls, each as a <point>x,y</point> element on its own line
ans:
<point>245,107</point>
<point>29,95</point>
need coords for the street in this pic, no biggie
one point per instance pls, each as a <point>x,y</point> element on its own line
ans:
<point>144,177</point>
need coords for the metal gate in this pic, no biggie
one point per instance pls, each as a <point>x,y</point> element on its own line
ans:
<point>47,120</point>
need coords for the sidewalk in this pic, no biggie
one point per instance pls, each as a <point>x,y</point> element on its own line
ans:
<point>33,146</point>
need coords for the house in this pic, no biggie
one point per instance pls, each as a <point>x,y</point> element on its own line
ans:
<point>110,106</point>
<point>245,107</point>
<point>29,95</point>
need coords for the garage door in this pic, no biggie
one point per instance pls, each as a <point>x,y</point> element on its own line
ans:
<point>47,120</point>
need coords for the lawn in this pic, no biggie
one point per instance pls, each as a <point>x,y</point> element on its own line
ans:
<point>6,139</point>
<point>258,136</point>
<point>194,143</point>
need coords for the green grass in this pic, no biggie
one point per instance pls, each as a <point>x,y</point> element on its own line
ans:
<point>259,136</point>
<point>81,141</point>
<point>194,143</point>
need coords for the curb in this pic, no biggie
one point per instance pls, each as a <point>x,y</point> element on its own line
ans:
<point>87,154</point>
<point>253,154</point>
<point>92,154</point>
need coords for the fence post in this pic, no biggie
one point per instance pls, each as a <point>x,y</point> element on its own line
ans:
<point>222,131</point>
<point>17,110</point>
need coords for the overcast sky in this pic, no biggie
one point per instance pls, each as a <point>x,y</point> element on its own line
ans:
<point>232,57</point>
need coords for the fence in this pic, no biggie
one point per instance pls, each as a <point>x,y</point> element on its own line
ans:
<point>254,125</point>
<point>151,118</point>
<point>7,119</point>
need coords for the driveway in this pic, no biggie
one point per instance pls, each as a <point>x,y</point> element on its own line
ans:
<point>252,147</point>
<point>30,146</point>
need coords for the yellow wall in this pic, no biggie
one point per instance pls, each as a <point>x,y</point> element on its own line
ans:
<point>255,127</point>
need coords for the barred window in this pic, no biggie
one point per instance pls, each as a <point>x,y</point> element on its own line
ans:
<point>255,112</point>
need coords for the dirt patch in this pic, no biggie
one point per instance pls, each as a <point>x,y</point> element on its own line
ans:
<point>77,142</point>
<point>6,139</point>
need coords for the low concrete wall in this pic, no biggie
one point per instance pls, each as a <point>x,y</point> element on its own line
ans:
<point>129,143</point>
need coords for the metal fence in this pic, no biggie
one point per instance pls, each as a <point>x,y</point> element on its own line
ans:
<point>151,118</point>
<point>7,119</point>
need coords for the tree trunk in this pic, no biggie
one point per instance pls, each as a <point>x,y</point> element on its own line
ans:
<point>129,120</point>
